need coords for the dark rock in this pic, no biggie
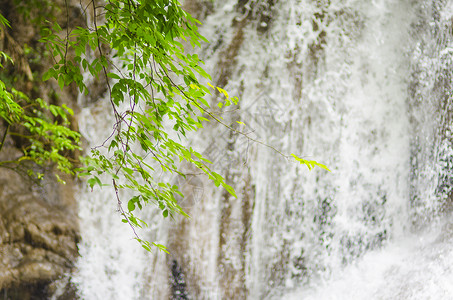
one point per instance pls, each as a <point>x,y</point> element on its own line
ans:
<point>38,241</point>
<point>38,220</point>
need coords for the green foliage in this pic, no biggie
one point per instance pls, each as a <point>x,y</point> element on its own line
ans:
<point>153,89</point>
<point>48,140</point>
<point>156,98</point>
<point>4,23</point>
<point>44,127</point>
<point>311,164</point>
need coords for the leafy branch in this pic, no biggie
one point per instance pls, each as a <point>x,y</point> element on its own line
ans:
<point>140,48</point>
<point>46,139</point>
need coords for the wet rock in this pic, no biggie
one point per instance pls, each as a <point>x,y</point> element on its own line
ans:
<point>38,241</point>
<point>38,220</point>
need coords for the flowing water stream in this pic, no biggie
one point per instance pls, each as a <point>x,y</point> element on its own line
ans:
<point>364,87</point>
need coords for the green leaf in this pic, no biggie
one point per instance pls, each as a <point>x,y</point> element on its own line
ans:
<point>61,81</point>
<point>131,205</point>
<point>93,181</point>
<point>4,21</point>
<point>309,163</point>
<point>47,75</point>
<point>223,92</point>
<point>320,165</point>
<point>113,75</point>
<point>229,190</point>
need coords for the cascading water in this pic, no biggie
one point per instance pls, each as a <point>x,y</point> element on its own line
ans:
<point>364,87</point>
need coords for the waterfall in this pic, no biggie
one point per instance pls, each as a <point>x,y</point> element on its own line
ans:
<point>364,87</point>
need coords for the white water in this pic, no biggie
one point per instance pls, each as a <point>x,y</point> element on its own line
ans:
<point>361,86</point>
<point>414,267</point>
<point>109,255</point>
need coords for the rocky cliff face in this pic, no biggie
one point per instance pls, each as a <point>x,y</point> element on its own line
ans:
<point>38,237</point>
<point>38,221</point>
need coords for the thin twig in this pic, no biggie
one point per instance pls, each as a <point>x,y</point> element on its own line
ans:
<point>115,112</point>
<point>222,123</point>
<point>122,210</point>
